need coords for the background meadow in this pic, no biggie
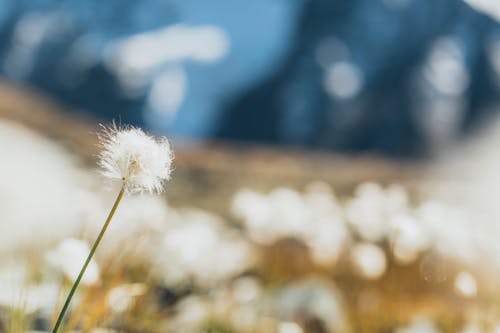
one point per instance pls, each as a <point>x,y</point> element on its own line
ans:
<point>336,166</point>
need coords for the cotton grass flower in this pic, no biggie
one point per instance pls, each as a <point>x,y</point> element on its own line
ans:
<point>123,297</point>
<point>69,256</point>
<point>369,260</point>
<point>141,162</point>
<point>200,247</point>
<point>465,284</point>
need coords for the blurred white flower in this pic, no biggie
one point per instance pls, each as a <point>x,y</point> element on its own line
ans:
<point>329,238</point>
<point>253,208</point>
<point>122,297</point>
<point>419,325</point>
<point>137,230</point>
<point>202,248</point>
<point>371,208</point>
<point>289,208</point>
<point>320,198</point>
<point>452,232</point>
<point>12,284</point>
<point>190,312</point>
<point>17,293</point>
<point>56,200</point>
<point>246,289</point>
<point>42,297</point>
<point>242,305</point>
<point>315,218</point>
<point>408,239</point>
<point>289,327</point>
<point>465,284</point>
<point>369,260</point>
<point>326,234</point>
<point>281,213</point>
<point>69,257</point>
<point>142,162</point>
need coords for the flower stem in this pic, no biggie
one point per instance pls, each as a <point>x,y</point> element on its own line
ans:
<point>87,261</point>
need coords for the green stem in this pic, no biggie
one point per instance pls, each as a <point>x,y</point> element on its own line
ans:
<point>87,261</point>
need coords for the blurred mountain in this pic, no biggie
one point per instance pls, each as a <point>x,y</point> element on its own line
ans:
<point>401,77</point>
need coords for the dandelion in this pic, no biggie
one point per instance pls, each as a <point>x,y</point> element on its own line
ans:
<point>141,163</point>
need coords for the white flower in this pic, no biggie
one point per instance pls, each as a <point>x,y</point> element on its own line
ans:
<point>122,297</point>
<point>200,246</point>
<point>409,239</point>
<point>465,284</point>
<point>69,257</point>
<point>369,260</point>
<point>142,162</point>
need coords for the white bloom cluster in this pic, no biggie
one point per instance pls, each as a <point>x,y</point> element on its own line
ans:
<point>314,217</point>
<point>378,214</point>
<point>180,245</point>
<point>199,247</point>
<point>141,162</point>
<point>370,210</point>
<point>374,216</point>
<point>249,307</point>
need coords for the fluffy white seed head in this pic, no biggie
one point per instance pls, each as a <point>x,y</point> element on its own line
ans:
<point>142,162</point>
